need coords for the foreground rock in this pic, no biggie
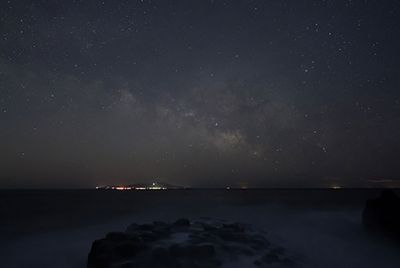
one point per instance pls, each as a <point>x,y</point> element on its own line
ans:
<point>382,214</point>
<point>186,244</point>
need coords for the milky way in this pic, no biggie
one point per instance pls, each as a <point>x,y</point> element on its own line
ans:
<point>199,93</point>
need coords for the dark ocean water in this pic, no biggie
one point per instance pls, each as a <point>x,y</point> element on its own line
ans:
<point>55,228</point>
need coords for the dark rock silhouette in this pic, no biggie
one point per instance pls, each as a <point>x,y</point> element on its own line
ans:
<point>114,247</point>
<point>200,244</point>
<point>382,215</point>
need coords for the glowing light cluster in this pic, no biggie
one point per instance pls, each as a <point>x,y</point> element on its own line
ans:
<point>153,186</point>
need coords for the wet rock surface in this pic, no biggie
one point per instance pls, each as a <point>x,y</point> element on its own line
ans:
<point>382,215</point>
<point>198,244</point>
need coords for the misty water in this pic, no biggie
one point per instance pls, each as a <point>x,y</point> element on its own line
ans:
<point>321,228</point>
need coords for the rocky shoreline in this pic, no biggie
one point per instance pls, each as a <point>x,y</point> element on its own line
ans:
<point>184,243</point>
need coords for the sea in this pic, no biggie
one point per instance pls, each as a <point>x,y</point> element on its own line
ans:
<point>322,227</point>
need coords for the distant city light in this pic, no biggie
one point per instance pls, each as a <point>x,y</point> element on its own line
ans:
<point>153,186</point>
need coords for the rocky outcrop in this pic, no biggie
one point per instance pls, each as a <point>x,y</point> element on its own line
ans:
<point>185,244</point>
<point>382,215</point>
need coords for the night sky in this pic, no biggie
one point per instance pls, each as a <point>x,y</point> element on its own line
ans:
<point>199,93</point>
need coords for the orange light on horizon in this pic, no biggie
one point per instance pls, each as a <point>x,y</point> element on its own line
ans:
<point>127,188</point>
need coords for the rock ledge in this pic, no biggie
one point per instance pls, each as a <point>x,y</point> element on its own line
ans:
<point>197,244</point>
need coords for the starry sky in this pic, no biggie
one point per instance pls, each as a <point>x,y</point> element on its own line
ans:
<point>244,93</point>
